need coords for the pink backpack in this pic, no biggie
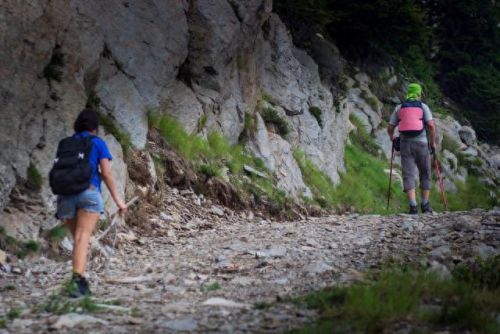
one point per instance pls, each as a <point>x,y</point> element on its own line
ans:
<point>411,118</point>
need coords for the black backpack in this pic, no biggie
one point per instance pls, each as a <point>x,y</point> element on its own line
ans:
<point>71,172</point>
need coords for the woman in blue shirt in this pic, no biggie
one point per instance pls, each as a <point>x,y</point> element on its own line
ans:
<point>81,212</point>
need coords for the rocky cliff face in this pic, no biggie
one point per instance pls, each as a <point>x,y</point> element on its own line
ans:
<point>215,61</point>
<point>191,59</point>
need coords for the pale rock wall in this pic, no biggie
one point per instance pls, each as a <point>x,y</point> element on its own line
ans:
<point>184,58</point>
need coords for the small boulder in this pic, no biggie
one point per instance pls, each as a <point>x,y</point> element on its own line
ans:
<point>467,135</point>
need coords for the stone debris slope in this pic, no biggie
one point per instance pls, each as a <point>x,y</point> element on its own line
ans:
<point>222,272</point>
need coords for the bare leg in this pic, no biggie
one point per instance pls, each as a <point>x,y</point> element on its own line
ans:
<point>426,194</point>
<point>411,195</point>
<point>85,225</point>
<point>71,225</point>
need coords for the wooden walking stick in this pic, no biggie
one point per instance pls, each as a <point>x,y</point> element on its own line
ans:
<point>440,179</point>
<point>390,177</point>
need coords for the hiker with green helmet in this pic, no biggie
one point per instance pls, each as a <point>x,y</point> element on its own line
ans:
<point>413,119</point>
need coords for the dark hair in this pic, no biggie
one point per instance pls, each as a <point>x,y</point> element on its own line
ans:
<point>87,120</point>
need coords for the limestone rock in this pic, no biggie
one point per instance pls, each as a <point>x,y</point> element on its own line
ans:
<point>119,171</point>
<point>71,320</point>
<point>468,135</point>
<point>180,102</point>
<point>224,303</point>
<point>7,182</point>
<point>181,325</point>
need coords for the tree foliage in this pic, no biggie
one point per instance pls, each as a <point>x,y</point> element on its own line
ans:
<point>451,46</point>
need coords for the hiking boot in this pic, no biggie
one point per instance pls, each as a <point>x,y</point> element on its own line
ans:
<point>413,210</point>
<point>426,208</point>
<point>79,287</point>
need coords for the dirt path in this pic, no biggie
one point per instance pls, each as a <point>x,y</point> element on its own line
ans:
<point>229,273</point>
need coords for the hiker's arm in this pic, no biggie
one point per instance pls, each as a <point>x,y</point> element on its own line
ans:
<point>431,126</point>
<point>393,122</point>
<point>108,179</point>
<point>390,131</point>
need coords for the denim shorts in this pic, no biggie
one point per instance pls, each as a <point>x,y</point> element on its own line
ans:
<point>89,200</point>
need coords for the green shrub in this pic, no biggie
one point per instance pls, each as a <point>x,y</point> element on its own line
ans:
<point>58,233</point>
<point>400,295</point>
<point>34,178</point>
<point>316,112</point>
<point>121,136</point>
<point>270,115</point>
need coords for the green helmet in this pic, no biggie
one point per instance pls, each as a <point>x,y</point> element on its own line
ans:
<point>414,91</point>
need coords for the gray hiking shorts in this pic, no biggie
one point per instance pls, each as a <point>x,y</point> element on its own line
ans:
<point>416,157</point>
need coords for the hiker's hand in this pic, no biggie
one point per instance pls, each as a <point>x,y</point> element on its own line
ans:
<point>122,207</point>
<point>433,148</point>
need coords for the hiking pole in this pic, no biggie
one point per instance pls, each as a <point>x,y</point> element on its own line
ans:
<point>440,179</point>
<point>113,221</point>
<point>390,177</point>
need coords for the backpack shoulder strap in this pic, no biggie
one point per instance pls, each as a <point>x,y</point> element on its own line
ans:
<point>88,144</point>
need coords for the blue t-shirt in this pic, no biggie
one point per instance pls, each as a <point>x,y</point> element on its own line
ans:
<point>99,151</point>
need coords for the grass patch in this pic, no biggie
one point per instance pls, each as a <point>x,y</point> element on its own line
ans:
<point>31,246</point>
<point>362,138</point>
<point>370,100</point>
<point>202,121</point>
<point>210,170</point>
<point>363,186</point>
<point>320,184</point>
<point>316,112</point>
<point>212,155</point>
<point>34,179</point>
<point>93,101</point>
<point>59,303</point>
<point>211,287</point>
<point>20,248</point>
<point>57,233</point>
<point>262,306</point>
<point>451,145</point>
<point>271,116</point>
<point>411,295</point>
<point>13,313</point>
<point>470,194</point>
<point>110,126</point>
<point>250,125</point>
<point>266,97</point>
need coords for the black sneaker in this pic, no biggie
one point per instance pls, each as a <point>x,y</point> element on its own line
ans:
<point>79,287</point>
<point>426,208</point>
<point>413,210</point>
